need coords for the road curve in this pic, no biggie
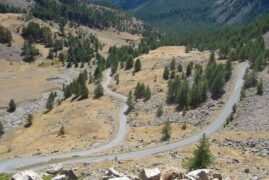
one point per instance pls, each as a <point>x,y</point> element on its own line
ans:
<point>40,162</point>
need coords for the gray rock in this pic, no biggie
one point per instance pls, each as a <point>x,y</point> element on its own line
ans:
<point>151,174</point>
<point>26,175</point>
<point>54,169</point>
<point>69,174</point>
<point>60,177</point>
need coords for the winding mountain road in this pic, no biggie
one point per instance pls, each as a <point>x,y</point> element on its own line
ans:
<point>40,162</point>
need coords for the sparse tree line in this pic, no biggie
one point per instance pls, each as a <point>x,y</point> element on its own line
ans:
<point>212,80</point>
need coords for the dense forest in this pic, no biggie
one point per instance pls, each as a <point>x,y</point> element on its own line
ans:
<point>236,43</point>
<point>83,13</point>
<point>182,15</point>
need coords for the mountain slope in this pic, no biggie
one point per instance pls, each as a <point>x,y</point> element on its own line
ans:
<point>185,14</point>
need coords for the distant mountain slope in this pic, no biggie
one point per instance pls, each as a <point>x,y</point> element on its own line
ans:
<point>185,14</point>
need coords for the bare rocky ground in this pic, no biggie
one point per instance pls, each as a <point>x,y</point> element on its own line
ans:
<point>253,112</point>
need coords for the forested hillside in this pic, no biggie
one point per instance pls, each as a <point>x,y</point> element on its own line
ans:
<point>186,14</point>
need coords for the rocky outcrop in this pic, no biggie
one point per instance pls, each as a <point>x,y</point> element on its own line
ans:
<point>26,175</point>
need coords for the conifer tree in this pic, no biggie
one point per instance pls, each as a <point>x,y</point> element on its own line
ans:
<point>179,68</point>
<point>260,88</point>
<point>137,65</point>
<point>166,73</point>
<point>99,91</point>
<point>218,84</point>
<point>129,63</point>
<point>189,69</point>
<point>166,131</point>
<point>203,158</point>
<point>173,74</point>
<point>147,95</point>
<point>130,102</point>
<point>50,101</point>
<point>159,112</point>
<point>29,121</point>
<point>98,74</point>
<point>228,70</point>
<point>50,55</point>
<point>183,94</point>
<point>1,129</point>
<point>67,92</point>
<point>11,106</point>
<point>61,131</point>
<point>173,64</point>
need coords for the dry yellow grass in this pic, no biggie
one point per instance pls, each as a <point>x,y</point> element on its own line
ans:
<point>87,123</point>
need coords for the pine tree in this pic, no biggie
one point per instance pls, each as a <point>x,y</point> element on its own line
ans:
<point>98,74</point>
<point>179,68</point>
<point>173,65</point>
<point>159,112</point>
<point>1,129</point>
<point>84,92</point>
<point>61,57</point>
<point>228,70</point>
<point>166,131</point>
<point>50,101</point>
<point>29,121</point>
<point>137,65</point>
<point>67,92</point>
<point>147,95</point>
<point>129,63</point>
<point>173,75</point>
<point>218,84</point>
<point>61,131</point>
<point>166,73</point>
<point>189,69</point>
<point>183,94</point>
<point>99,91</point>
<point>50,55</point>
<point>130,102</point>
<point>260,88</point>
<point>140,91</point>
<point>117,79</point>
<point>11,106</point>
<point>203,158</point>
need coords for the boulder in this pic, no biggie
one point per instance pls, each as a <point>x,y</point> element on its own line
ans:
<point>112,172</point>
<point>54,169</point>
<point>60,177</point>
<point>173,173</point>
<point>201,174</point>
<point>217,176</point>
<point>151,174</point>
<point>69,174</point>
<point>26,175</point>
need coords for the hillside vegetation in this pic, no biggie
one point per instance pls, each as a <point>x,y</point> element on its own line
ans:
<point>181,15</point>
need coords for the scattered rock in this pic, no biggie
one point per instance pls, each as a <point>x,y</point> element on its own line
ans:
<point>54,169</point>
<point>113,172</point>
<point>151,174</point>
